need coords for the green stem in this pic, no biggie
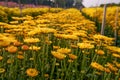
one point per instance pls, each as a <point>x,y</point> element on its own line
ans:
<point>53,68</point>
<point>83,67</point>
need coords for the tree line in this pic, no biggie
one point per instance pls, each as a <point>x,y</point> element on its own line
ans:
<point>52,3</point>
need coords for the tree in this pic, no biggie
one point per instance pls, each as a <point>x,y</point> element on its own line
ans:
<point>69,3</point>
<point>77,3</point>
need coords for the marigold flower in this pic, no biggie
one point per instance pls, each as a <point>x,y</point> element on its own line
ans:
<point>116,55</point>
<point>98,73</point>
<point>64,50</point>
<point>81,34</point>
<point>66,36</point>
<point>72,56</point>
<point>48,42</point>
<point>56,47</point>
<point>12,49</point>
<point>2,70</point>
<point>34,48</point>
<point>17,43</point>
<point>74,46</point>
<point>112,67</point>
<point>107,70</point>
<point>4,43</point>
<point>97,66</point>
<point>20,56</point>
<point>46,75</point>
<point>25,47</point>
<point>113,48</point>
<point>117,64</point>
<point>1,58</point>
<point>31,40</point>
<point>31,59</point>
<point>58,55</point>
<point>9,61</point>
<point>70,60</point>
<point>100,52</point>
<point>20,52</point>
<point>32,72</point>
<point>85,45</point>
<point>57,64</point>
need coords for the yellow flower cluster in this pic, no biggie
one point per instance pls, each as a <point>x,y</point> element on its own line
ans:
<point>109,67</point>
<point>6,39</point>
<point>112,15</point>
<point>31,40</point>
<point>62,53</point>
<point>85,46</point>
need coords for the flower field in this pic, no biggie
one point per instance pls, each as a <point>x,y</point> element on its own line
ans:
<point>59,44</point>
<point>112,17</point>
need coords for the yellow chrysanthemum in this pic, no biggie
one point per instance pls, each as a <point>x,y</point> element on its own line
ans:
<point>72,56</point>
<point>32,72</point>
<point>97,66</point>
<point>100,52</point>
<point>2,70</point>
<point>85,45</point>
<point>58,55</point>
<point>112,67</point>
<point>64,50</point>
<point>36,48</point>
<point>1,58</point>
<point>31,40</point>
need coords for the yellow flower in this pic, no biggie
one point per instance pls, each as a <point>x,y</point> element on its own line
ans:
<point>1,58</point>
<point>20,57</point>
<point>48,42</point>
<point>100,52</point>
<point>25,47</point>
<point>12,49</point>
<point>46,75</point>
<point>14,22</point>
<point>70,60</point>
<point>97,66</point>
<point>32,72</point>
<point>39,30</point>
<point>6,39</point>
<point>56,47</point>
<point>4,43</point>
<point>116,55</point>
<point>9,61</point>
<point>72,56</point>
<point>20,52</point>
<point>57,64</point>
<point>58,55</point>
<point>113,48</point>
<point>81,34</point>
<point>104,39</point>
<point>73,46</point>
<point>31,59</point>
<point>31,40</point>
<point>117,64</point>
<point>107,70</point>
<point>85,45</point>
<point>2,70</point>
<point>17,43</point>
<point>34,48</point>
<point>64,50</point>
<point>98,73</point>
<point>111,67</point>
<point>66,36</point>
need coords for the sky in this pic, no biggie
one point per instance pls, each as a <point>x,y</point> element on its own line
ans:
<point>88,3</point>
